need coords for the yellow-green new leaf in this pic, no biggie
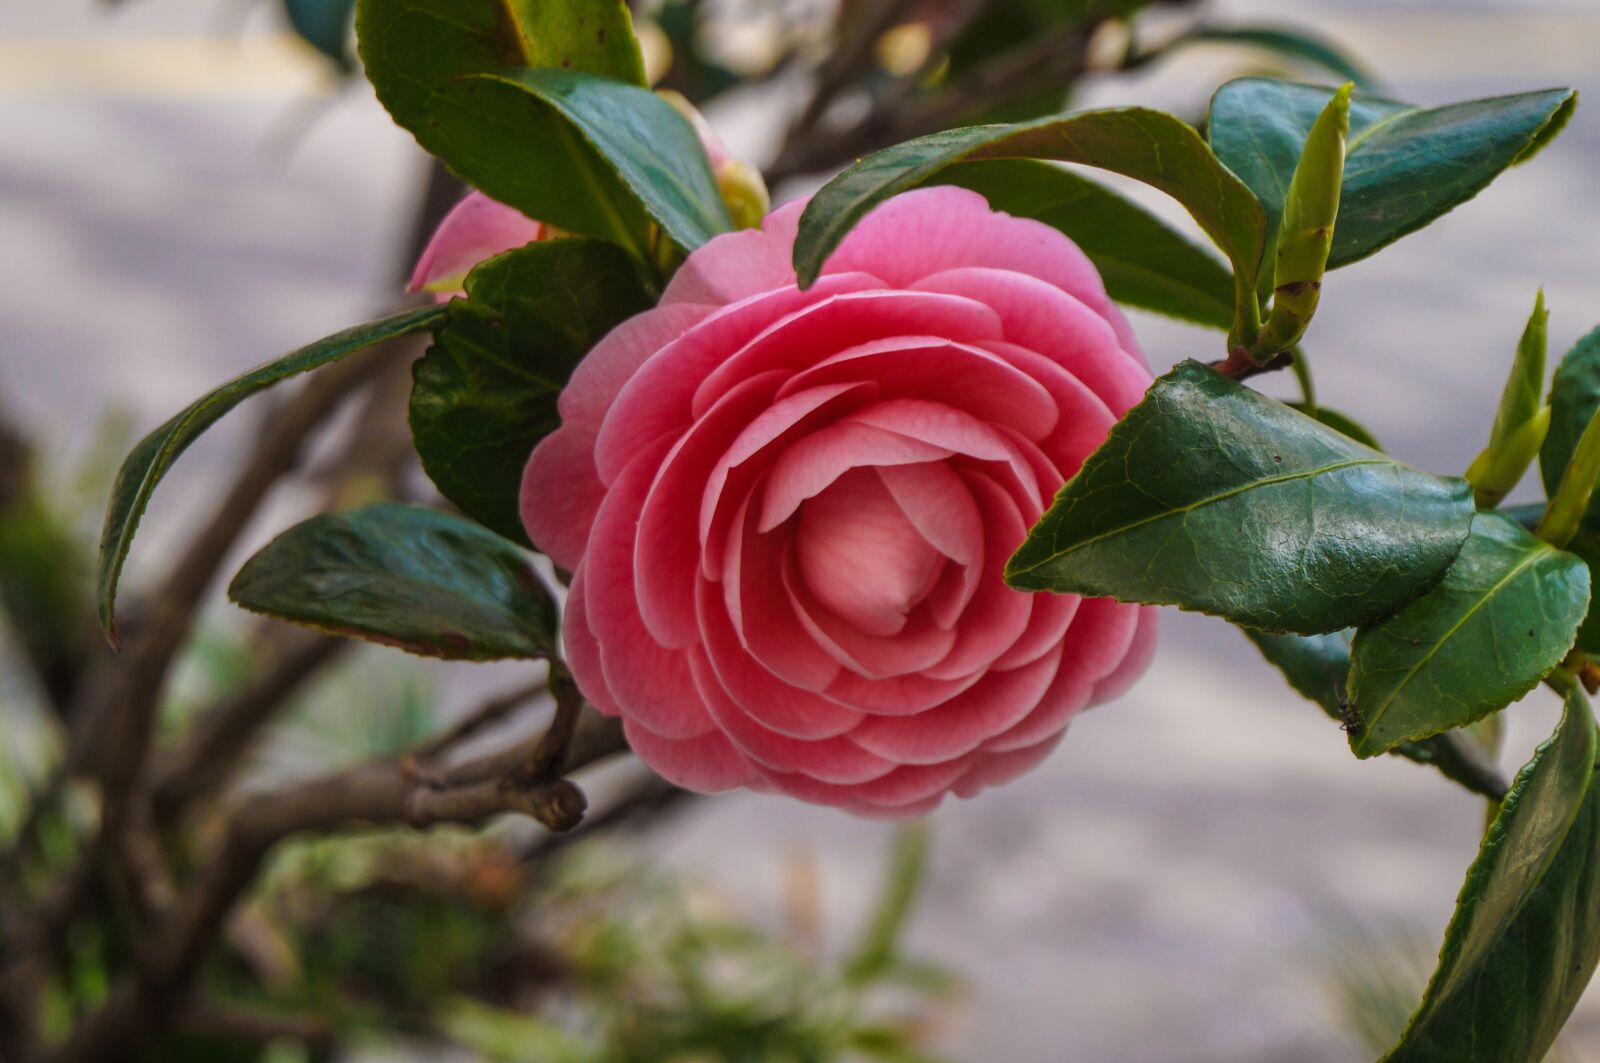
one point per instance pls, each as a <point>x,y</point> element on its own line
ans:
<point>1306,232</point>
<point>1520,421</point>
<point>1571,500</point>
<point>1505,614</point>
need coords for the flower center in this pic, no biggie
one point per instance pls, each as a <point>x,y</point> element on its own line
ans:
<point>861,557</point>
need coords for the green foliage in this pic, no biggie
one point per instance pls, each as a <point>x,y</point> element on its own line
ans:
<point>1317,668</point>
<point>148,463</point>
<point>486,392</point>
<point>1339,422</point>
<point>1212,497</point>
<point>402,575</point>
<point>542,106</point>
<point>1570,504</point>
<point>1150,146</point>
<point>1144,261</point>
<point>1574,400</point>
<point>1525,936</point>
<point>1508,599</point>
<point>1289,42</point>
<point>1405,165</point>
<point>1520,422</point>
<point>325,25</point>
<point>1306,230</point>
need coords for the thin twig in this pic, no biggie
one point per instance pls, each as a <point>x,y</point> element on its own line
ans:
<point>376,793</point>
<point>479,720</point>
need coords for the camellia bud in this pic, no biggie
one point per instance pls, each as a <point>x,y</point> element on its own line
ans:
<point>742,186</point>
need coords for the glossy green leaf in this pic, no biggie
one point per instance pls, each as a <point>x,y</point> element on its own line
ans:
<point>1570,504</point>
<point>1525,936</point>
<point>1305,232</point>
<point>643,139</point>
<point>1574,400</point>
<point>1586,547</point>
<point>1405,165</point>
<point>1339,422</point>
<point>156,452</point>
<point>486,392</point>
<point>1293,43</point>
<point>325,25</point>
<point>1149,146</point>
<point>427,582</point>
<point>542,106</point>
<point>1505,614</point>
<point>1521,420</point>
<point>1212,497</point>
<point>1317,668</point>
<point>1144,261</point>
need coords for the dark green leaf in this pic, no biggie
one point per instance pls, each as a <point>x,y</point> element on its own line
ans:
<point>1210,496</point>
<point>1340,423</point>
<point>1587,548</point>
<point>1145,262</point>
<point>1525,936</point>
<point>1574,400</point>
<point>1505,614</point>
<point>1287,41</point>
<point>156,452</point>
<point>427,582</point>
<point>325,25</point>
<point>650,146</point>
<point>1317,668</point>
<point>1149,146</point>
<point>1405,165</point>
<point>445,70</point>
<point>486,392</point>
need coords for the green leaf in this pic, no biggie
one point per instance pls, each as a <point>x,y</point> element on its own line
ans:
<point>1212,497</point>
<point>1574,400</point>
<point>1339,422</point>
<point>1287,41</point>
<point>323,24</point>
<point>1317,668</point>
<point>1516,436</point>
<point>1506,613</point>
<point>1305,232</point>
<point>497,88</point>
<point>486,392</point>
<point>1586,547</point>
<point>427,582</point>
<point>156,452</point>
<point>1525,935</point>
<point>1404,166</point>
<point>1570,504</point>
<point>1144,261</point>
<point>1149,146</point>
<point>644,140</point>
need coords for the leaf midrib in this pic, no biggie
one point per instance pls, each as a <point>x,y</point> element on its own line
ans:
<point>1201,503</point>
<point>1438,644</point>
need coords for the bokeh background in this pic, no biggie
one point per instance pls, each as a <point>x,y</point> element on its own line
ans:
<point>1202,872</point>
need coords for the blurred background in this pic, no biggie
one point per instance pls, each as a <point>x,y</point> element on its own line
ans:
<point>1202,872</point>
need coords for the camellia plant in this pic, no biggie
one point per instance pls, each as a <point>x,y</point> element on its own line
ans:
<point>862,499</point>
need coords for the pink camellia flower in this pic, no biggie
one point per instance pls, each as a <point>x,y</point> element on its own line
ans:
<point>786,512</point>
<point>475,229</point>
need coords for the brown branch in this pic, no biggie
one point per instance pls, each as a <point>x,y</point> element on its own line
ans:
<point>479,720</point>
<point>385,792</point>
<point>1054,57</point>
<point>857,31</point>
<point>218,1019</point>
